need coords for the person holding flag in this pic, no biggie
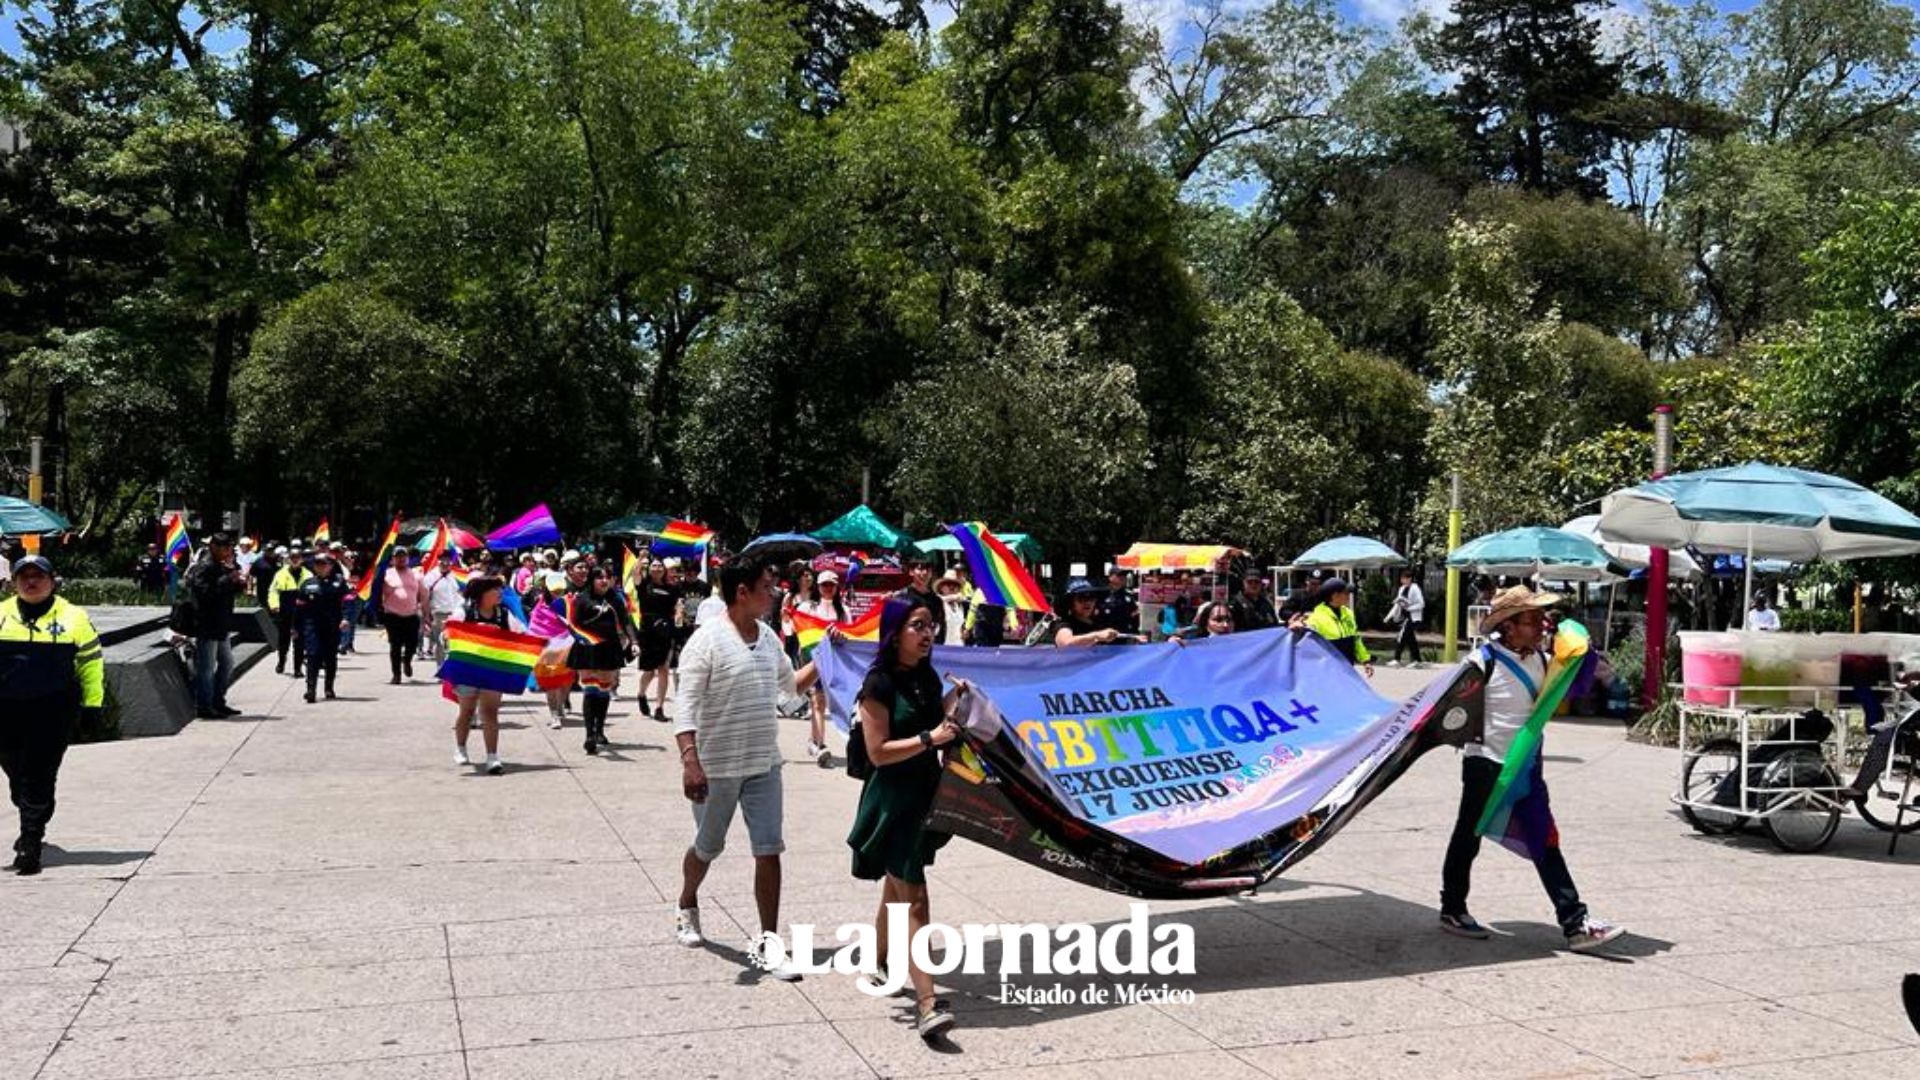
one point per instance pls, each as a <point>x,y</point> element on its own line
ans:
<point>482,606</point>
<point>1503,791</point>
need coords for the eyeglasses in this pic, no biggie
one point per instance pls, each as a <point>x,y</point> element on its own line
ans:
<point>923,626</point>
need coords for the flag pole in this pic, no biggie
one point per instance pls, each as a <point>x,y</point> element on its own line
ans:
<point>1451,652</point>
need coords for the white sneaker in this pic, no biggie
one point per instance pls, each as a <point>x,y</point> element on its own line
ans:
<point>554,721</point>
<point>460,756</point>
<point>823,756</point>
<point>494,765</point>
<point>757,956</point>
<point>686,927</point>
<point>1592,935</point>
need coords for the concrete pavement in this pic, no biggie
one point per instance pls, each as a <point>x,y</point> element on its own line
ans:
<point>316,892</point>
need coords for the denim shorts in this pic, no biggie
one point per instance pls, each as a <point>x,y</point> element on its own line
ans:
<point>757,797</point>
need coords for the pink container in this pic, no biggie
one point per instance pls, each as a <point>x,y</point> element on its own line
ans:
<point>1709,661</point>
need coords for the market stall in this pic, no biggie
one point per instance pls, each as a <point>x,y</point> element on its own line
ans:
<point>1180,575</point>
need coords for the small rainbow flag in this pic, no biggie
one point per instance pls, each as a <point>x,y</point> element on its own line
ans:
<point>629,568</point>
<point>177,542</point>
<point>485,656</point>
<point>458,570</point>
<point>997,572</point>
<point>321,535</point>
<point>809,629</point>
<point>683,538</point>
<point>441,535</point>
<point>370,580</point>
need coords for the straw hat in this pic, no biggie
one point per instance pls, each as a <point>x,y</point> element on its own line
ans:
<point>949,583</point>
<point>1510,602</point>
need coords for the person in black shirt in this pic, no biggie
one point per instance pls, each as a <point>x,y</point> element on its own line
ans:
<point>150,571</point>
<point>1253,609</point>
<point>211,585</point>
<point>321,609</point>
<point>1077,626</point>
<point>1118,610</point>
<point>920,588</point>
<point>656,598</point>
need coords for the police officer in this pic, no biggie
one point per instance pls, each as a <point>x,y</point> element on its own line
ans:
<point>281,598</point>
<point>51,673</point>
<point>321,606</point>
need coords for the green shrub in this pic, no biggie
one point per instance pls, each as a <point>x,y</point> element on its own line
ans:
<point>1370,604</point>
<point>1817,621</point>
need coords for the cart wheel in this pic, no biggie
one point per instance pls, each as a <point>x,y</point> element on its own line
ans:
<point>1715,761</point>
<point>1806,826</point>
<point>1881,807</point>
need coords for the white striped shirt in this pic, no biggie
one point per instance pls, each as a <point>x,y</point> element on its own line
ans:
<point>729,693</point>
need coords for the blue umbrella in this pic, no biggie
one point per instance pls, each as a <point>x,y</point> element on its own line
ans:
<point>1555,554</point>
<point>1358,552</point>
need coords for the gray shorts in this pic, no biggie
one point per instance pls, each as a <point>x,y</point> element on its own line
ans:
<point>757,797</point>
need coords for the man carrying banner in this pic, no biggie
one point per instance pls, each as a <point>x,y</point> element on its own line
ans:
<point>1519,697</point>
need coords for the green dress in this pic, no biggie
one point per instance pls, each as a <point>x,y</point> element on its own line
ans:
<point>890,834</point>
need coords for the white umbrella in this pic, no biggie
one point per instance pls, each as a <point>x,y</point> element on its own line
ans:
<point>1632,556</point>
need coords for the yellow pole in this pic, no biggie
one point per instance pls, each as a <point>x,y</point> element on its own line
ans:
<point>1856,607</point>
<point>36,490</point>
<point>1454,518</point>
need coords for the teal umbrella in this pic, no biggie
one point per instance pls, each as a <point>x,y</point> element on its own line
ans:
<point>1761,510</point>
<point>18,517</point>
<point>637,525</point>
<point>1358,552</point>
<point>861,527</point>
<point>1534,550</point>
<point>1023,545</point>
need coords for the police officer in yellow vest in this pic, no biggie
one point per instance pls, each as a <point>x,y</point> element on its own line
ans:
<point>1332,618</point>
<point>51,673</point>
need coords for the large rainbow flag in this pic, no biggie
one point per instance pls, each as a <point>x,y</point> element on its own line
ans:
<point>997,573</point>
<point>1517,814</point>
<point>370,580</point>
<point>534,527</point>
<point>485,656</point>
<point>177,543</point>
<point>685,539</point>
<point>809,629</point>
<point>441,535</point>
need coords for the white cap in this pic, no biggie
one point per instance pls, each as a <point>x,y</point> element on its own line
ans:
<point>827,577</point>
<point>281,551</point>
<point>338,546</point>
<point>570,556</point>
<point>549,554</point>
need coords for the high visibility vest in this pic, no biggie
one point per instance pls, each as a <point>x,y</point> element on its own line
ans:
<point>63,625</point>
<point>287,580</point>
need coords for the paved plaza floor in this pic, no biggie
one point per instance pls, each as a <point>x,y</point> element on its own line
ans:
<point>317,892</point>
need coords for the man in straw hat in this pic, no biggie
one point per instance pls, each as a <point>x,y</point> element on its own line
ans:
<point>1516,671</point>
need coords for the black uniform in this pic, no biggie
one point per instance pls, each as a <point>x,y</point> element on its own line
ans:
<point>321,604</point>
<point>1254,613</point>
<point>150,573</point>
<point>1119,611</point>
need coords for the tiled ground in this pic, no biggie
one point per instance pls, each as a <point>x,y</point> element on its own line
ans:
<point>314,892</point>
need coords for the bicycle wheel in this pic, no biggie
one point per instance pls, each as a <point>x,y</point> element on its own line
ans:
<point>1881,807</point>
<point>1717,760</point>
<point>1804,824</point>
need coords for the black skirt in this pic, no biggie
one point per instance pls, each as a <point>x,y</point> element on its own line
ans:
<point>604,656</point>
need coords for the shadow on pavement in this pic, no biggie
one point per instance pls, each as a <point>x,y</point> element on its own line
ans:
<point>55,855</point>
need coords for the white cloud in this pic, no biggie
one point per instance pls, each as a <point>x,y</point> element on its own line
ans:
<point>1391,13</point>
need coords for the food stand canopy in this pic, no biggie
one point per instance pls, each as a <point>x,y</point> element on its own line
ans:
<point>861,527</point>
<point>1145,556</point>
<point>1359,552</point>
<point>1023,545</point>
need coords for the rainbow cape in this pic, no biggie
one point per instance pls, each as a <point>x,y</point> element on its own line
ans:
<point>370,580</point>
<point>998,576</point>
<point>684,539</point>
<point>1517,813</point>
<point>573,624</point>
<point>809,629</point>
<point>488,657</point>
<point>321,535</point>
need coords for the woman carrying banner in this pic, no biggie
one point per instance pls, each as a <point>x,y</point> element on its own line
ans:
<point>483,605</point>
<point>1215,619</point>
<point>903,723</point>
<point>1077,626</point>
<point>602,642</point>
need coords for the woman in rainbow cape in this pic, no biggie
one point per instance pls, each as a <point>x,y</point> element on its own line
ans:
<point>1503,791</point>
<point>488,654</point>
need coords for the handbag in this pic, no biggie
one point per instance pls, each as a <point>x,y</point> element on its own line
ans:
<point>859,766</point>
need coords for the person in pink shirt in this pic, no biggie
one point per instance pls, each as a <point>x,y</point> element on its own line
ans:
<point>400,612</point>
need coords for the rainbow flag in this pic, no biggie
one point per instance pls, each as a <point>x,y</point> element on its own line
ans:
<point>532,528</point>
<point>629,571</point>
<point>321,535</point>
<point>809,629</point>
<point>457,569</point>
<point>177,543</point>
<point>440,537</point>
<point>997,573</point>
<point>370,580</point>
<point>1517,814</point>
<point>683,538</point>
<point>482,655</point>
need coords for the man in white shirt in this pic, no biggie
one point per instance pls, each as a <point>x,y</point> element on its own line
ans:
<point>1763,616</point>
<point>1516,673</point>
<point>441,601</point>
<point>733,672</point>
<point>1409,609</point>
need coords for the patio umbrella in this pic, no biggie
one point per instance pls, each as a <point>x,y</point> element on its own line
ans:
<point>1022,544</point>
<point>1632,556</point>
<point>19,517</point>
<point>426,523</point>
<point>635,525</point>
<point>459,536</point>
<point>1358,552</point>
<point>781,547</point>
<point>1533,551</point>
<point>1761,510</point>
<point>861,527</point>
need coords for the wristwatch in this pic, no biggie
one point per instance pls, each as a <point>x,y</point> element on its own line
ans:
<point>926,740</point>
